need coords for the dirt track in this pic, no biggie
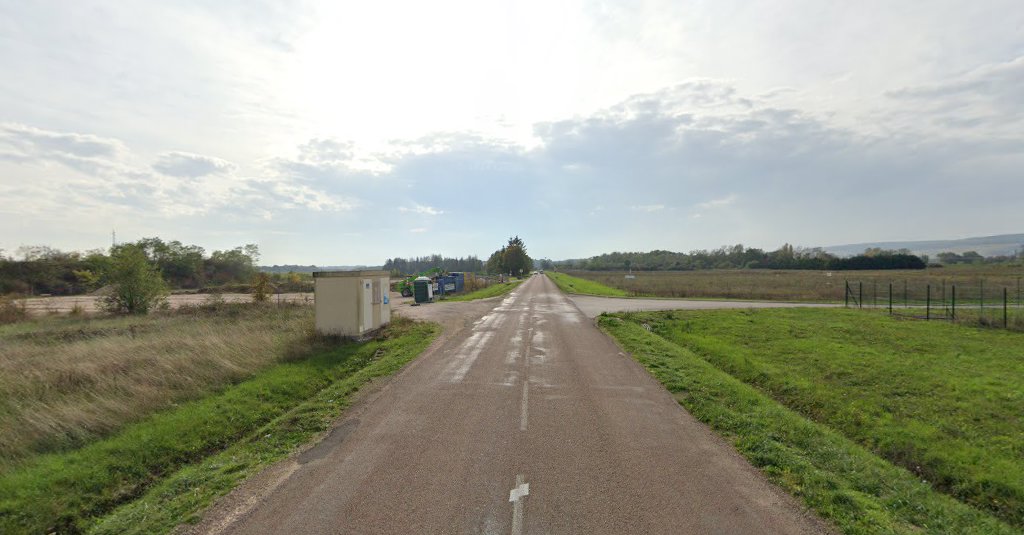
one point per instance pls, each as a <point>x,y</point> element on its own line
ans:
<point>524,419</point>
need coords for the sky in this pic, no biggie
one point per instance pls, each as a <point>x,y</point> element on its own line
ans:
<point>343,133</point>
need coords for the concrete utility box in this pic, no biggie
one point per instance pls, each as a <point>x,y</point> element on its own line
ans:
<point>351,303</point>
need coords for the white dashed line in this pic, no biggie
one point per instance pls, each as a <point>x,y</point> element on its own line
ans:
<point>524,405</point>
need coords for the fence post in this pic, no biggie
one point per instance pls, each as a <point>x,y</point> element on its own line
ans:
<point>953,315</point>
<point>846,294</point>
<point>1006,320</point>
<point>860,294</point>
<point>890,298</point>
<point>928,303</point>
<point>906,302</point>
<point>981,302</point>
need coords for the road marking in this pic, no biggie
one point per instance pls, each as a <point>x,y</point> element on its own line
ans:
<point>524,404</point>
<point>459,366</point>
<point>522,407</point>
<point>516,496</point>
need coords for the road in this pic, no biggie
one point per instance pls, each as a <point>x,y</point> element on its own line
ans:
<point>529,420</point>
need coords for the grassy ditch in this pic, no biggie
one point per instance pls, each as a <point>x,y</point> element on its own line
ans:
<point>217,439</point>
<point>576,285</point>
<point>494,290</point>
<point>880,425</point>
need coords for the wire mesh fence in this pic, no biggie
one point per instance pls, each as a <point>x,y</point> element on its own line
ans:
<point>980,301</point>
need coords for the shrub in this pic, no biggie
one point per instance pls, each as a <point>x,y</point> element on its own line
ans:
<point>137,286</point>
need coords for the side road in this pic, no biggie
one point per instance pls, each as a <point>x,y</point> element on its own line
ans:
<point>527,420</point>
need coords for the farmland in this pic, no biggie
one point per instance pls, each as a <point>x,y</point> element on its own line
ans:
<point>812,396</point>
<point>807,285</point>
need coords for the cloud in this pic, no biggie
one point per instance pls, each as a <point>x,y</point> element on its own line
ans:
<point>188,165</point>
<point>86,153</point>
<point>649,208</point>
<point>47,142</point>
<point>578,191</point>
<point>717,203</point>
<point>989,80</point>
<point>987,100</point>
<point>421,209</point>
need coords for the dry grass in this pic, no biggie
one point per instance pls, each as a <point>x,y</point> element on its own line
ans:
<point>67,381</point>
<point>805,285</point>
<point>12,310</point>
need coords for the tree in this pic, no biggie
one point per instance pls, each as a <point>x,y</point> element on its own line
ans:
<point>514,258</point>
<point>137,286</point>
<point>234,265</point>
<point>496,262</point>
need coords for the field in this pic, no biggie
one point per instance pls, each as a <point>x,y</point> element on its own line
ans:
<point>578,285</point>
<point>818,398</point>
<point>811,286</point>
<point>100,413</point>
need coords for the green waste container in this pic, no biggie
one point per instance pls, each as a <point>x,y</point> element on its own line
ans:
<point>421,290</point>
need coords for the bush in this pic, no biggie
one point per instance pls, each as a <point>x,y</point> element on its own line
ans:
<point>12,311</point>
<point>137,286</point>
<point>261,288</point>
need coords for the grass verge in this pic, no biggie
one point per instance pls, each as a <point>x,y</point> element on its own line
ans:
<point>66,382</point>
<point>576,285</point>
<point>844,482</point>
<point>166,468</point>
<point>493,290</point>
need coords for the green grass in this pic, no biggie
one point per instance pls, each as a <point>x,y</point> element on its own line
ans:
<point>493,290</point>
<point>881,425</point>
<point>167,467</point>
<point>576,285</point>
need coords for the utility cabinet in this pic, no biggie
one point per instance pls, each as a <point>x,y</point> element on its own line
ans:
<point>351,303</point>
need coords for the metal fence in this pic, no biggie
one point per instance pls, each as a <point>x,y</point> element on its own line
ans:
<point>978,302</point>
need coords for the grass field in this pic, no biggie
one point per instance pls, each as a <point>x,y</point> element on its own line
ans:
<point>160,468</point>
<point>577,285</point>
<point>818,398</point>
<point>812,286</point>
<point>494,290</point>
<point>67,381</point>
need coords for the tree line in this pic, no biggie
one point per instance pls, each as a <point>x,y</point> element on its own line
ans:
<point>974,257</point>
<point>38,270</point>
<point>419,264</point>
<point>740,257</point>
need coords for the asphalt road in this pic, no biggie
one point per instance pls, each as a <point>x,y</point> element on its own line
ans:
<point>528,420</point>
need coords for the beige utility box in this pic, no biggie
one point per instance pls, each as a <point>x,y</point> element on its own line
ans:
<point>351,303</point>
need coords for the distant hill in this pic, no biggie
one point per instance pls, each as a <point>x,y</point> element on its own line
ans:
<point>1002,245</point>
